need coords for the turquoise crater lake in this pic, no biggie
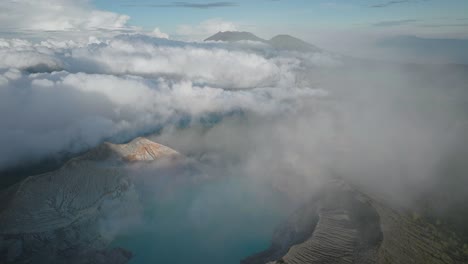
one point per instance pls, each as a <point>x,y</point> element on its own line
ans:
<point>217,221</point>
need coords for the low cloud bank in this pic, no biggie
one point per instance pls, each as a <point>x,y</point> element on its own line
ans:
<point>290,118</point>
<point>67,97</point>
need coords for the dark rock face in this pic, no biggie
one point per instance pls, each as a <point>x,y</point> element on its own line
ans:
<point>350,227</point>
<point>54,217</point>
<point>77,243</point>
<point>296,230</point>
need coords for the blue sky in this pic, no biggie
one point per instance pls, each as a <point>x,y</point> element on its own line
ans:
<point>354,27</point>
<point>448,15</point>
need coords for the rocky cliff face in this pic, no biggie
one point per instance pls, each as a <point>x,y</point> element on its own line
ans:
<point>53,217</point>
<point>347,226</point>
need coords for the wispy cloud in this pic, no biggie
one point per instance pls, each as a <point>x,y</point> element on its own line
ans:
<point>389,3</point>
<point>189,5</point>
<point>392,23</point>
<point>394,2</point>
<point>423,23</point>
<point>446,25</point>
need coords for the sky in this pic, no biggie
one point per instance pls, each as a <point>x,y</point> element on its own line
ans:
<point>352,27</point>
<point>296,15</point>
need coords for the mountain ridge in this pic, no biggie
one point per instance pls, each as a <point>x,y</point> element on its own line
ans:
<point>280,42</point>
<point>54,217</point>
<point>342,224</point>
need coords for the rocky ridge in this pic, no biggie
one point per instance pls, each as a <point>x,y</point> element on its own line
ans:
<point>52,217</point>
<point>347,226</point>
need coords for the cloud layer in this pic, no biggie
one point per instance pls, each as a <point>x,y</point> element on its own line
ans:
<point>293,119</point>
<point>69,96</point>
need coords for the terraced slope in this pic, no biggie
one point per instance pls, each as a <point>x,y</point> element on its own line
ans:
<point>409,239</point>
<point>48,218</point>
<point>332,242</point>
<point>354,228</point>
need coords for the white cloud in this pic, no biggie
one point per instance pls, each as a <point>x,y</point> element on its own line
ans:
<point>48,113</point>
<point>133,84</point>
<point>57,15</point>
<point>23,58</point>
<point>201,64</point>
<point>159,34</point>
<point>12,74</point>
<point>218,65</point>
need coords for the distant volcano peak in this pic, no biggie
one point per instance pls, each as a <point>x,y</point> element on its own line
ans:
<point>288,42</point>
<point>280,42</point>
<point>233,36</point>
